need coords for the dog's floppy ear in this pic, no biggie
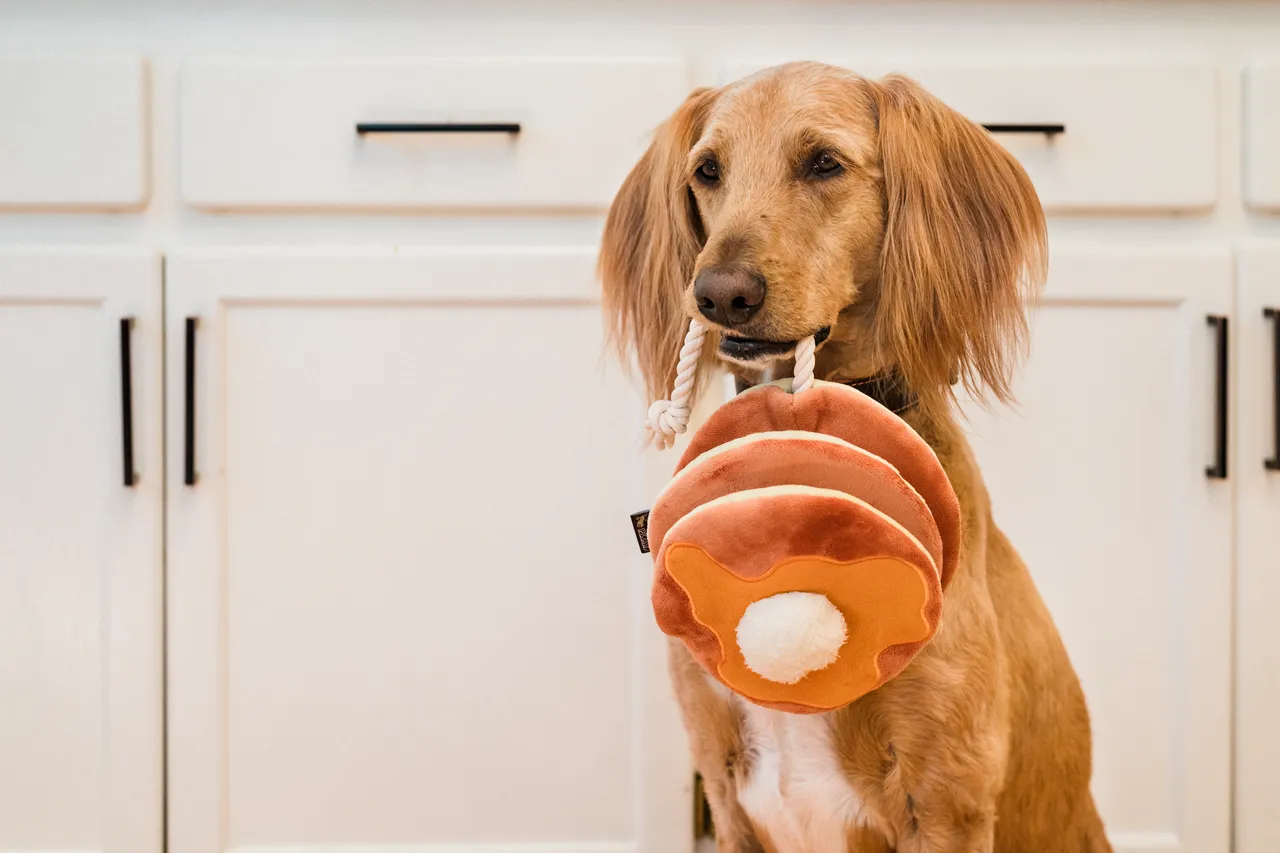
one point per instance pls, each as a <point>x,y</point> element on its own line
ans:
<point>964,247</point>
<point>651,239</point>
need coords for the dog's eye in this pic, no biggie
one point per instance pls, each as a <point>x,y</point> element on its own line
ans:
<point>825,165</point>
<point>708,171</point>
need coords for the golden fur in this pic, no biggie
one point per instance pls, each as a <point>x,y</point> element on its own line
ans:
<point>921,253</point>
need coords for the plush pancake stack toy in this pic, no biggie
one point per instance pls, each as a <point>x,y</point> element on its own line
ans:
<point>802,546</point>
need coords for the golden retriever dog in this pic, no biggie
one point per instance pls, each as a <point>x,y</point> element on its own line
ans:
<point>806,199</point>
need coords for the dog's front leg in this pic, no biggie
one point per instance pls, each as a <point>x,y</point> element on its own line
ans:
<point>939,799</point>
<point>929,750</point>
<point>940,776</point>
<point>936,823</point>
<point>714,729</point>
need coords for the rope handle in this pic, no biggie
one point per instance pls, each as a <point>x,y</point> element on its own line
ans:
<point>668,418</point>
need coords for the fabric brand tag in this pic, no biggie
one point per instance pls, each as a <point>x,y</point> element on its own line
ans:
<point>640,524</point>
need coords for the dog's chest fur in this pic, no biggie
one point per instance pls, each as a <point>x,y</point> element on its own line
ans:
<point>796,792</point>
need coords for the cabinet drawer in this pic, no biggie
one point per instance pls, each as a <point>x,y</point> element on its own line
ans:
<point>1136,137</point>
<point>1262,137</point>
<point>258,134</point>
<point>73,132</point>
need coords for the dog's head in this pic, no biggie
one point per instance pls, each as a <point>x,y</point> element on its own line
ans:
<point>806,200</point>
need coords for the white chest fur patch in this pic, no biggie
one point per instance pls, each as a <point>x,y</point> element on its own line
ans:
<point>797,792</point>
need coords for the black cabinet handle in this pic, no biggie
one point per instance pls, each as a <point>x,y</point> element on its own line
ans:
<point>126,399</point>
<point>1218,470</point>
<point>1273,314</point>
<point>189,403</point>
<point>1046,129</point>
<point>511,128</point>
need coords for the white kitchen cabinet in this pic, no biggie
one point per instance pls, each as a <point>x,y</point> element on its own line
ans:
<point>346,469</point>
<point>80,553</point>
<point>1257,554</point>
<point>1099,478</point>
<point>402,607</point>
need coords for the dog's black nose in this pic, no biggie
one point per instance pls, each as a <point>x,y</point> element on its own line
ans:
<point>728,296</point>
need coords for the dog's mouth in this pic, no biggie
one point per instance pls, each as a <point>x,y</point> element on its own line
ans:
<point>739,348</point>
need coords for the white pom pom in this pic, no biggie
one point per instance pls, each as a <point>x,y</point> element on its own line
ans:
<point>787,636</point>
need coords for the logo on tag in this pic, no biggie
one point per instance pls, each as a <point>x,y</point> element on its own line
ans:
<point>640,524</point>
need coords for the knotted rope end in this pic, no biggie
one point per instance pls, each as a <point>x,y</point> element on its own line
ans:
<point>668,418</point>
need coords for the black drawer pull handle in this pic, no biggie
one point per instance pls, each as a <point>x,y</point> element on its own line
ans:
<point>1273,314</point>
<point>1218,470</point>
<point>189,404</point>
<point>126,399</point>
<point>510,128</point>
<point>1046,129</point>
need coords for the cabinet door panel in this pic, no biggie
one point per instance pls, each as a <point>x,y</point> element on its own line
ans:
<point>402,596</point>
<point>1098,477</point>
<point>80,642</point>
<point>1258,558</point>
